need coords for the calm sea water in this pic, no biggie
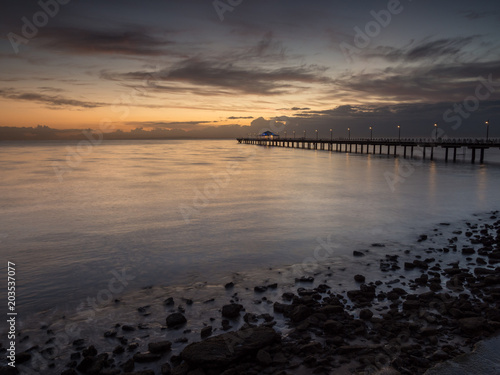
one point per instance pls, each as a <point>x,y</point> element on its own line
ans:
<point>169,213</point>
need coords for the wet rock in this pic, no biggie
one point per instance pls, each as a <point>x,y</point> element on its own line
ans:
<point>260,289</point>
<point>422,237</point>
<point>118,349</point>
<point>127,328</point>
<point>219,351</point>
<point>304,279</point>
<point>365,314</point>
<point>358,253</point>
<point>300,313</point>
<point>159,347</point>
<point>468,251</point>
<point>333,327</point>
<point>146,357</point>
<point>169,301</point>
<point>231,311</point>
<point>264,357</point>
<point>206,331</point>
<point>359,278</point>
<point>472,326</point>
<point>176,320</point>
<point>378,245</point>
<point>229,285</point>
<point>411,305</point>
<point>409,266</point>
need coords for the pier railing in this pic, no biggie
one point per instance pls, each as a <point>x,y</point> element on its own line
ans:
<point>353,144</point>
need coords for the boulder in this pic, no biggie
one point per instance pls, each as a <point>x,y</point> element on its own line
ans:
<point>175,320</point>
<point>231,311</point>
<point>221,350</point>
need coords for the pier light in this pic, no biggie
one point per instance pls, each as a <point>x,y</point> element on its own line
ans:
<point>399,132</point>
<point>316,134</point>
<point>349,133</point>
<point>294,134</point>
<point>487,129</point>
<point>371,133</point>
<point>436,126</point>
<point>331,135</point>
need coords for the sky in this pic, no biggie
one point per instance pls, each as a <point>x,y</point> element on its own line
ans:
<point>229,68</point>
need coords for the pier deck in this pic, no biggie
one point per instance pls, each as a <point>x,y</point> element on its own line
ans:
<point>364,145</point>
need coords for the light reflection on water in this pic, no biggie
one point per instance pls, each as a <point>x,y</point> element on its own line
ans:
<point>120,208</point>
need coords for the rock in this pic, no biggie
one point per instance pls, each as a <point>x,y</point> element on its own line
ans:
<point>206,331</point>
<point>411,304</point>
<point>22,357</point>
<point>472,326</point>
<point>128,328</point>
<point>409,266</point>
<point>468,251</point>
<point>231,311</point>
<point>422,237</point>
<point>146,357</point>
<point>378,245</point>
<point>118,349</point>
<point>359,278</point>
<point>91,351</point>
<point>300,313</point>
<point>305,279</point>
<point>365,314</point>
<point>169,301</point>
<point>358,253</point>
<point>260,289</point>
<point>176,320</point>
<point>229,285</point>
<point>333,327</point>
<point>159,347</point>
<point>221,350</point>
<point>166,369</point>
<point>264,357</point>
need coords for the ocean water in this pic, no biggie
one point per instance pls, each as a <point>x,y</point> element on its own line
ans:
<point>125,215</point>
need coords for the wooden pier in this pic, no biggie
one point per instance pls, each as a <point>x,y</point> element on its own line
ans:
<point>374,146</point>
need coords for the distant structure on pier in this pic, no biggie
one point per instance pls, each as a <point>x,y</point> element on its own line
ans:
<point>268,135</point>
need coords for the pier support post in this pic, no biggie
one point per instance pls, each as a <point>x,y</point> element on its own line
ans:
<point>481,157</point>
<point>432,153</point>
<point>423,155</point>
<point>404,152</point>
<point>473,157</point>
<point>454,154</point>
<point>446,154</point>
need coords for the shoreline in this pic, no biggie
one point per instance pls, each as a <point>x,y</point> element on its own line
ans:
<point>419,308</point>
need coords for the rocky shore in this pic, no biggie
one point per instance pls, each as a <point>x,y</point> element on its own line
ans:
<point>426,307</point>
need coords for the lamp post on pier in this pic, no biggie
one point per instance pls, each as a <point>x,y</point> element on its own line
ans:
<point>316,134</point>
<point>331,135</point>
<point>294,134</point>
<point>436,126</point>
<point>487,129</point>
<point>371,133</point>
<point>349,133</point>
<point>304,134</point>
<point>399,133</point>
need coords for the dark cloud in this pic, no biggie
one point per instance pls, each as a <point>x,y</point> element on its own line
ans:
<point>227,76</point>
<point>238,118</point>
<point>474,15</point>
<point>424,50</point>
<point>293,109</point>
<point>440,82</point>
<point>130,41</point>
<point>54,101</point>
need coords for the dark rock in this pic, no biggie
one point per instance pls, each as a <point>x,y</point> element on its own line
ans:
<point>264,357</point>
<point>118,349</point>
<point>22,357</point>
<point>159,347</point>
<point>231,311</point>
<point>411,305</point>
<point>229,285</point>
<point>146,357</point>
<point>175,320</point>
<point>333,327</point>
<point>272,286</point>
<point>260,289</point>
<point>224,349</point>
<point>409,266</point>
<point>300,313</point>
<point>422,237</point>
<point>206,331</point>
<point>169,301</point>
<point>359,278</point>
<point>128,328</point>
<point>365,314</point>
<point>468,251</point>
<point>304,279</point>
<point>358,253</point>
<point>378,245</point>
<point>472,326</point>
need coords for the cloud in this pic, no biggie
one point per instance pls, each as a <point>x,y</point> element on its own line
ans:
<point>53,101</point>
<point>474,15</point>
<point>132,41</point>
<point>294,109</point>
<point>227,76</point>
<point>424,50</point>
<point>238,118</point>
